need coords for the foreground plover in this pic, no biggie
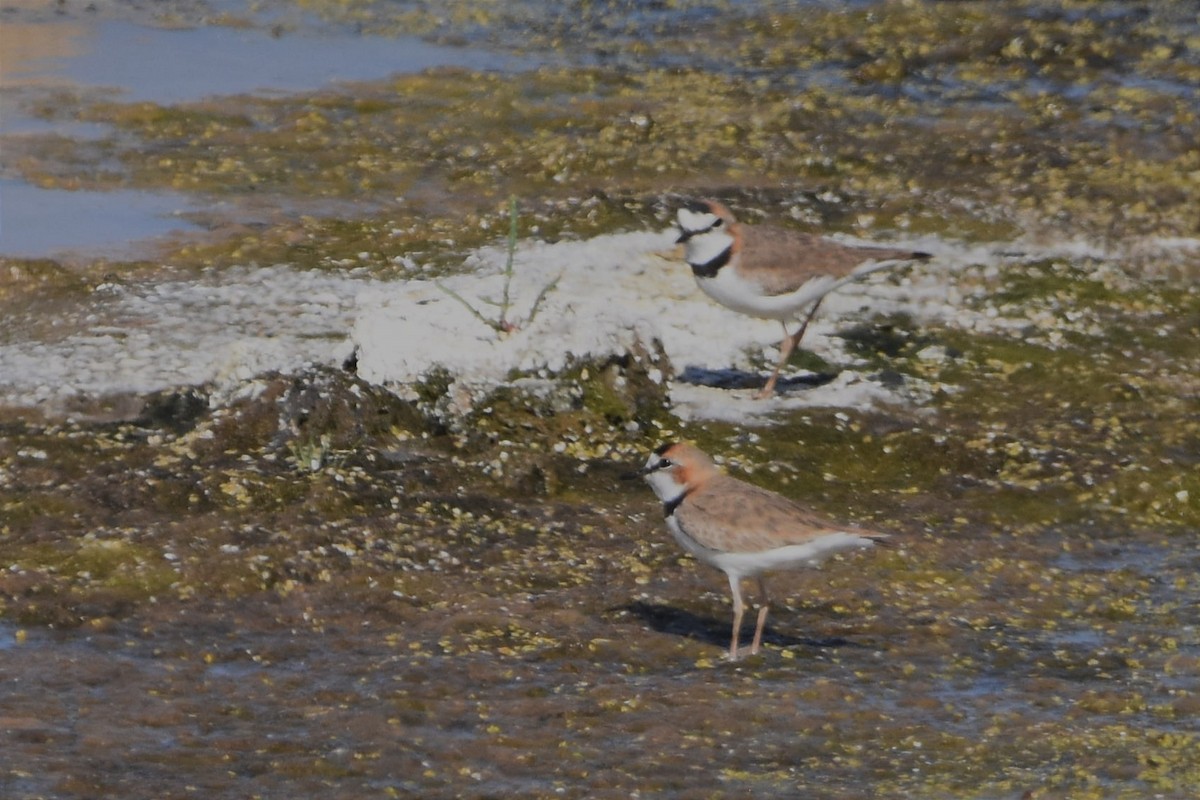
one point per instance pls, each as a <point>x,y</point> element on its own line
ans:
<point>741,529</point>
<point>773,273</point>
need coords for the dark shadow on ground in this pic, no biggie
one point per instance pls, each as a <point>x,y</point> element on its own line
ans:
<point>740,379</point>
<point>678,622</point>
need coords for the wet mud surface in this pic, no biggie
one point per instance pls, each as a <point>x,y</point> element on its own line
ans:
<point>301,585</point>
<point>192,607</point>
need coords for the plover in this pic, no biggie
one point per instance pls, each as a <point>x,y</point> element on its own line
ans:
<point>772,273</point>
<point>742,529</point>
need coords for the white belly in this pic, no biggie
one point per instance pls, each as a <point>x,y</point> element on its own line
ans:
<point>731,291</point>
<point>809,554</point>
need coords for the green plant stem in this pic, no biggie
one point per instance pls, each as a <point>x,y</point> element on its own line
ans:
<point>491,323</point>
<point>501,324</point>
<point>508,265</point>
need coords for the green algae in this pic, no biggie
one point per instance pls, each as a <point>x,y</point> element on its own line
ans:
<point>491,593</point>
<point>1001,161</point>
<point>68,586</point>
<point>1036,509</point>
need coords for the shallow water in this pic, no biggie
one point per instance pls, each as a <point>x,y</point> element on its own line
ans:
<point>38,222</point>
<point>128,63</point>
<point>136,63</point>
<point>301,587</point>
<point>564,693</point>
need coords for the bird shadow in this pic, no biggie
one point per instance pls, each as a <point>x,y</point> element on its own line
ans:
<point>678,622</point>
<point>730,378</point>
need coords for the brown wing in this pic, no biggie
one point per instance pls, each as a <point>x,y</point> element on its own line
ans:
<point>789,259</point>
<point>734,515</point>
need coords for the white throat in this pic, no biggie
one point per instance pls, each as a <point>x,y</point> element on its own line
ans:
<point>693,221</point>
<point>665,486</point>
<point>703,248</point>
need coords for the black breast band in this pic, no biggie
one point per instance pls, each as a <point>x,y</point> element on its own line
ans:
<point>710,268</point>
<point>670,506</point>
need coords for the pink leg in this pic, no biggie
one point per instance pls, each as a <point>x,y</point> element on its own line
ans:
<point>765,602</point>
<point>738,608</point>
<point>800,333</point>
<point>785,352</point>
<point>786,347</point>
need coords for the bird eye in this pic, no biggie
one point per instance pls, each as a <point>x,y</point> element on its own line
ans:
<point>666,462</point>
<point>718,223</point>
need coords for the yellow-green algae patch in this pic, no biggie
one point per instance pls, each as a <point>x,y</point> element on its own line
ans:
<point>498,584</point>
<point>1026,632</point>
<point>956,119</point>
<point>327,586</point>
<point>1039,161</point>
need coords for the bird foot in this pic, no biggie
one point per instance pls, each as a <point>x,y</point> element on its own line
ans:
<point>768,390</point>
<point>747,650</point>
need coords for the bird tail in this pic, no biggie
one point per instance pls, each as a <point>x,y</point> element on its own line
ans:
<point>889,259</point>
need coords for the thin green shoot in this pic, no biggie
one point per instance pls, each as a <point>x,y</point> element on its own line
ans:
<point>502,324</point>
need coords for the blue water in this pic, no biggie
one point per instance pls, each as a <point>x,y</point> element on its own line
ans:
<point>38,222</point>
<point>8,637</point>
<point>133,63</point>
<point>219,61</point>
<point>175,66</point>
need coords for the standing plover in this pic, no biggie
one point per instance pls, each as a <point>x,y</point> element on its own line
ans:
<point>741,529</point>
<point>773,273</point>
